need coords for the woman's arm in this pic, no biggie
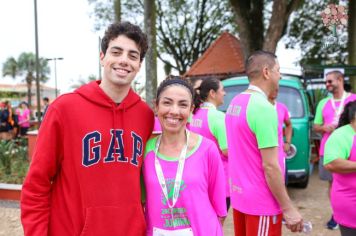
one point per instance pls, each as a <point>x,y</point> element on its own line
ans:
<point>341,166</point>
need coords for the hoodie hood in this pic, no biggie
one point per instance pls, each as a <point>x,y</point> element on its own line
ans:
<point>93,93</point>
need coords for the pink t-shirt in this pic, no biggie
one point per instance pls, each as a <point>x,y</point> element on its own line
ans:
<point>210,123</point>
<point>283,115</point>
<point>251,124</point>
<point>202,193</point>
<point>324,115</point>
<point>342,144</point>
<point>22,116</point>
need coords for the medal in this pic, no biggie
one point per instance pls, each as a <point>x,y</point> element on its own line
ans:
<point>339,109</point>
<point>179,174</point>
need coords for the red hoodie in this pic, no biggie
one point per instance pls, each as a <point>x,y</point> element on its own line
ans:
<point>84,178</point>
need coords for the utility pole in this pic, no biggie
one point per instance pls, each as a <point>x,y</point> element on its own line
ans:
<point>55,71</point>
<point>38,95</point>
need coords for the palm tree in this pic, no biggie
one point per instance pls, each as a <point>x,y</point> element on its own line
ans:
<point>26,65</point>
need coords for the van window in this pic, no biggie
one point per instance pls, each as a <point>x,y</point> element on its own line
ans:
<point>231,92</point>
<point>289,96</point>
<point>292,98</point>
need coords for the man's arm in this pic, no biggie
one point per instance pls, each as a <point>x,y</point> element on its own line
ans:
<point>288,133</point>
<point>319,125</point>
<point>341,166</point>
<point>324,128</point>
<point>275,183</point>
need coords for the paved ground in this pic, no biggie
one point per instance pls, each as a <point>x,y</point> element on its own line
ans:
<point>10,219</point>
<point>312,203</point>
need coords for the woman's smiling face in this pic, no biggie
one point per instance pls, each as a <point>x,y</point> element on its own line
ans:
<point>174,107</point>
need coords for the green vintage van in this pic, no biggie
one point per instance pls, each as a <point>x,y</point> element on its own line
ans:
<point>293,95</point>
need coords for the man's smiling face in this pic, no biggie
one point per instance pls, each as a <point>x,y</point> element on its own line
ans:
<point>121,61</point>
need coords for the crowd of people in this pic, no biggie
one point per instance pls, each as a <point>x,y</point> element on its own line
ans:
<point>113,166</point>
<point>15,122</point>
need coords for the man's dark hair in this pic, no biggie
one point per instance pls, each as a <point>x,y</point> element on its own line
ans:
<point>336,73</point>
<point>257,61</point>
<point>129,30</point>
<point>45,99</point>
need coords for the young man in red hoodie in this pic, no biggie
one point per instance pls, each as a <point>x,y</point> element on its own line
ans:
<point>84,177</point>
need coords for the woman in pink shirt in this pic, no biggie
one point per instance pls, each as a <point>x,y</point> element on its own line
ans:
<point>340,159</point>
<point>183,172</point>
<point>210,122</point>
<point>23,114</point>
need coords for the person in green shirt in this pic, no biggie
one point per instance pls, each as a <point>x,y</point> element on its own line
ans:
<point>340,160</point>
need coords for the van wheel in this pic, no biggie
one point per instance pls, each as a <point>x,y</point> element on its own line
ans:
<point>304,183</point>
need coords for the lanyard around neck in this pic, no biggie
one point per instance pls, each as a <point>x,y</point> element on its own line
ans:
<point>341,106</point>
<point>179,174</point>
<point>257,89</point>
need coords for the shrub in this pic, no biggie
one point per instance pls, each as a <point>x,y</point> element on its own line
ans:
<point>13,161</point>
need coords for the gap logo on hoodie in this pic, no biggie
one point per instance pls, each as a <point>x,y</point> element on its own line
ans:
<point>92,148</point>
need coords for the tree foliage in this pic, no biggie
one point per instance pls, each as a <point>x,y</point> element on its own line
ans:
<point>261,28</point>
<point>352,40</point>
<point>25,66</point>
<point>317,43</point>
<point>352,33</point>
<point>185,28</point>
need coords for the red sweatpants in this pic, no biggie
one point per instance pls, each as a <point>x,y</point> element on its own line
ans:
<point>252,225</point>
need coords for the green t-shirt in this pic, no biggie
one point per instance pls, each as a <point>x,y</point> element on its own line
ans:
<point>216,121</point>
<point>259,110</point>
<point>339,144</point>
<point>318,119</point>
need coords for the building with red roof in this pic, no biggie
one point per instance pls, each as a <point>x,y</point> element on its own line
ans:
<point>223,59</point>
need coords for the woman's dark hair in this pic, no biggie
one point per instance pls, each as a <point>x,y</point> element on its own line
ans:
<point>202,92</point>
<point>348,114</point>
<point>25,103</point>
<point>173,80</point>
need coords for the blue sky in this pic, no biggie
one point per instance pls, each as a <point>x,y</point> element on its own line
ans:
<point>66,30</point>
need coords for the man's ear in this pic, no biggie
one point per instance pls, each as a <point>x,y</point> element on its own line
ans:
<point>265,72</point>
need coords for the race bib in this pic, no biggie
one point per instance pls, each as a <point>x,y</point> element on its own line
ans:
<point>178,232</point>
